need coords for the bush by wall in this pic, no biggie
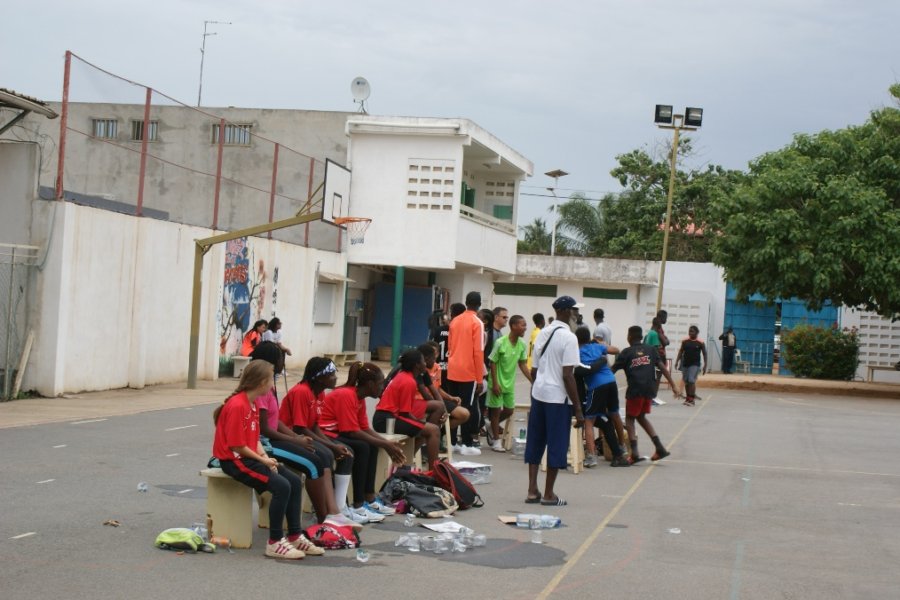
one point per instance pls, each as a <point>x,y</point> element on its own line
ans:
<point>821,353</point>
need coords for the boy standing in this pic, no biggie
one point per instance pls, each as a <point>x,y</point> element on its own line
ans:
<point>507,353</point>
<point>538,320</point>
<point>688,360</point>
<point>640,362</point>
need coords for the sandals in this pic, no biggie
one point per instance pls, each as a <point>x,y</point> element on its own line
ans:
<point>533,499</point>
<point>554,502</point>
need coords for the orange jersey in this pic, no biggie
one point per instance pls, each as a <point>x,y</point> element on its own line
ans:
<point>466,348</point>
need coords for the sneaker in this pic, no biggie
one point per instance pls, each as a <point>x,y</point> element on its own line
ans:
<point>457,448</point>
<point>497,446</point>
<point>342,521</point>
<point>688,402</point>
<point>372,516</point>
<point>620,461</point>
<point>284,550</point>
<point>305,546</point>
<point>637,459</point>
<point>590,461</point>
<point>657,401</point>
<point>353,515</point>
<point>659,454</point>
<point>377,506</point>
<point>470,451</point>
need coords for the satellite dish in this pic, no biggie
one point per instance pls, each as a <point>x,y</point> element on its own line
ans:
<point>360,89</point>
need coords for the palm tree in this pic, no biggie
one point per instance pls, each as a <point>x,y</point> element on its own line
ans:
<point>535,238</point>
<point>581,226</point>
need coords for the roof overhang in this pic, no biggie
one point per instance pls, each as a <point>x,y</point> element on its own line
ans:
<point>25,104</point>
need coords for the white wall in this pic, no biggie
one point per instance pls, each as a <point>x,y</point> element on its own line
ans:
<point>879,343</point>
<point>111,306</point>
<point>18,182</point>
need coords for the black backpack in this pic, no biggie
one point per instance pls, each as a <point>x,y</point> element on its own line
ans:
<point>449,478</point>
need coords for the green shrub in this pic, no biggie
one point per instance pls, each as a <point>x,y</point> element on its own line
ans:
<point>821,353</point>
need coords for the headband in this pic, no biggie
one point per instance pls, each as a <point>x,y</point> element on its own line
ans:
<point>329,369</point>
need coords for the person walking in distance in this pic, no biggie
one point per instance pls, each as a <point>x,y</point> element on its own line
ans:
<point>465,368</point>
<point>729,344</point>
<point>657,337</point>
<point>554,399</point>
<point>539,323</point>
<point>638,361</point>
<point>689,361</point>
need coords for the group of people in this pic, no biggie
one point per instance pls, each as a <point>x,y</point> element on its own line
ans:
<point>464,374</point>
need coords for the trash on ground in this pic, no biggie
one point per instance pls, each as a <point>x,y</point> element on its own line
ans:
<point>531,521</point>
<point>142,486</point>
<point>362,556</point>
<point>111,523</point>
<point>475,472</point>
<point>674,530</point>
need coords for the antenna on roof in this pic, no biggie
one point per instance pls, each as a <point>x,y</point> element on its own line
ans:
<point>360,89</point>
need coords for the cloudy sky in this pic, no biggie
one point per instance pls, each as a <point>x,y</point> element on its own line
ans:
<point>568,84</point>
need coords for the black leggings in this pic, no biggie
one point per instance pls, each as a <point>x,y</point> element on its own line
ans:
<point>284,486</point>
<point>365,465</point>
<point>339,467</point>
<point>466,391</point>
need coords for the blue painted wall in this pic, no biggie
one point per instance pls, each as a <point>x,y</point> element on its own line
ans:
<point>416,310</point>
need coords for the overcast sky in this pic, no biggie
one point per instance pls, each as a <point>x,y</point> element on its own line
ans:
<point>568,84</point>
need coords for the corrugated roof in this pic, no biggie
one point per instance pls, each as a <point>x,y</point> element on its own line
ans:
<point>13,99</point>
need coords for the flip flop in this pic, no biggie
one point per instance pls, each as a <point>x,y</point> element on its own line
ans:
<point>533,499</point>
<point>555,502</point>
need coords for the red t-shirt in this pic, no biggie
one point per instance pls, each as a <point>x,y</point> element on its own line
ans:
<point>301,407</point>
<point>342,412</point>
<point>400,394</point>
<point>238,425</point>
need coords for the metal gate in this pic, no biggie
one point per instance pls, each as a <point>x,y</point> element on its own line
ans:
<point>16,262</point>
<point>753,321</point>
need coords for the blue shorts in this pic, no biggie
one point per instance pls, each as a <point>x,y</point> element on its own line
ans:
<point>548,428</point>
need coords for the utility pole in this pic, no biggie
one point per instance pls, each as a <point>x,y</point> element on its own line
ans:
<point>555,174</point>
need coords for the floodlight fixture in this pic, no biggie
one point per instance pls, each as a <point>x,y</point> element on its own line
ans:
<point>693,116</point>
<point>663,114</point>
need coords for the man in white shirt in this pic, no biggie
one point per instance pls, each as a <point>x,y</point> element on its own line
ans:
<point>554,398</point>
<point>602,332</point>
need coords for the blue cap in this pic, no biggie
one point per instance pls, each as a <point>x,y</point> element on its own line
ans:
<point>564,302</point>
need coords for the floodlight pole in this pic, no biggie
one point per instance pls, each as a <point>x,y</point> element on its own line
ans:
<point>677,126</point>
<point>202,246</point>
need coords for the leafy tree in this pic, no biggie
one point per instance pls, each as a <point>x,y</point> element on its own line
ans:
<point>820,219</point>
<point>535,238</point>
<point>821,353</point>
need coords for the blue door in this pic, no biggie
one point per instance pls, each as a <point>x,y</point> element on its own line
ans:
<point>754,327</point>
<point>794,312</point>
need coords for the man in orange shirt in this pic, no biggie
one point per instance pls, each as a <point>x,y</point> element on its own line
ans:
<point>465,368</point>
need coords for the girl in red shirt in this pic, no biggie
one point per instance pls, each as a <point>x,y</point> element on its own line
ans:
<point>398,401</point>
<point>343,419</point>
<point>241,456</point>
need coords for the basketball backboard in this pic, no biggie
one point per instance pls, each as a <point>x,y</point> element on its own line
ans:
<point>336,201</point>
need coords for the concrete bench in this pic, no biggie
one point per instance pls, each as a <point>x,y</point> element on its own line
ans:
<point>383,469</point>
<point>509,425</point>
<point>870,376</point>
<point>239,363</point>
<point>230,506</point>
<point>340,358</point>
<point>575,456</point>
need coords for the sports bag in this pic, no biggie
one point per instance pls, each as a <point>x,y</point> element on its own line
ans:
<point>421,500</point>
<point>182,538</point>
<point>332,537</point>
<point>449,478</point>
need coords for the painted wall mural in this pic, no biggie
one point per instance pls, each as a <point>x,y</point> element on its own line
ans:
<point>243,295</point>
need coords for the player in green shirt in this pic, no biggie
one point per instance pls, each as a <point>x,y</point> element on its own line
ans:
<point>508,352</point>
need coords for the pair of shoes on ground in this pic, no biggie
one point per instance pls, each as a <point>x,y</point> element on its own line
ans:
<point>557,501</point>
<point>590,461</point>
<point>295,549</point>
<point>362,515</point>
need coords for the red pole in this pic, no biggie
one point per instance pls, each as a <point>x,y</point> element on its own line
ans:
<point>274,182</point>
<point>146,127</point>
<point>215,222</point>
<point>312,168</point>
<point>63,122</point>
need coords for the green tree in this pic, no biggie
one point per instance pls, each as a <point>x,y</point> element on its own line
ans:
<point>536,239</point>
<point>581,224</point>
<point>820,219</point>
<point>821,353</point>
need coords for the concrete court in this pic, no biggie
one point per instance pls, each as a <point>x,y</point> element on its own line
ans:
<point>775,496</point>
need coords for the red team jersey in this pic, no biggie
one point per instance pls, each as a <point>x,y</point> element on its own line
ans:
<point>343,411</point>
<point>301,407</point>
<point>400,394</point>
<point>238,425</point>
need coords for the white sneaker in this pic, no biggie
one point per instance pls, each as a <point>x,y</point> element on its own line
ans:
<point>657,402</point>
<point>283,549</point>
<point>373,517</point>
<point>470,451</point>
<point>497,446</point>
<point>341,520</point>
<point>457,448</point>
<point>305,546</point>
<point>354,516</point>
<point>377,506</point>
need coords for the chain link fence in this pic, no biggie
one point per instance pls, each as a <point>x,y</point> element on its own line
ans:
<point>16,265</point>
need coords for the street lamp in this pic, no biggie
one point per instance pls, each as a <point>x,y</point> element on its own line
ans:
<point>555,174</point>
<point>691,120</point>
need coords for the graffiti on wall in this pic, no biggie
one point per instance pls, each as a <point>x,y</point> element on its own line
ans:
<point>243,295</point>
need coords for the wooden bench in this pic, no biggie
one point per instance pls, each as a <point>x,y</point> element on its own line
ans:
<point>340,359</point>
<point>870,371</point>
<point>230,506</point>
<point>383,470</point>
<point>509,425</point>
<point>575,456</point>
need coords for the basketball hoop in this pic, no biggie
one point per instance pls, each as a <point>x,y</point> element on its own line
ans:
<point>356,227</point>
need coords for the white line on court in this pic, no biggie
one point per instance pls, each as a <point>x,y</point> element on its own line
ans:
<point>171,455</point>
<point>88,421</point>
<point>60,446</point>
<point>186,491</point>
<point>782,468</point>
<point>177,428</point>
<point>23,535</point>
<point>46,481</point>
<point>189,408</point>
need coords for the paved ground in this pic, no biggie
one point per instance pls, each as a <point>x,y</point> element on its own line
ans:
<point>766,495</point>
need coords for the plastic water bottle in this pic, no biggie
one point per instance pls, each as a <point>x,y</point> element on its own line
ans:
<point>550,522</point>
<point>536,537</point>
<point>410,520</point>
<point>143,487</point>
<point>362,556</point>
